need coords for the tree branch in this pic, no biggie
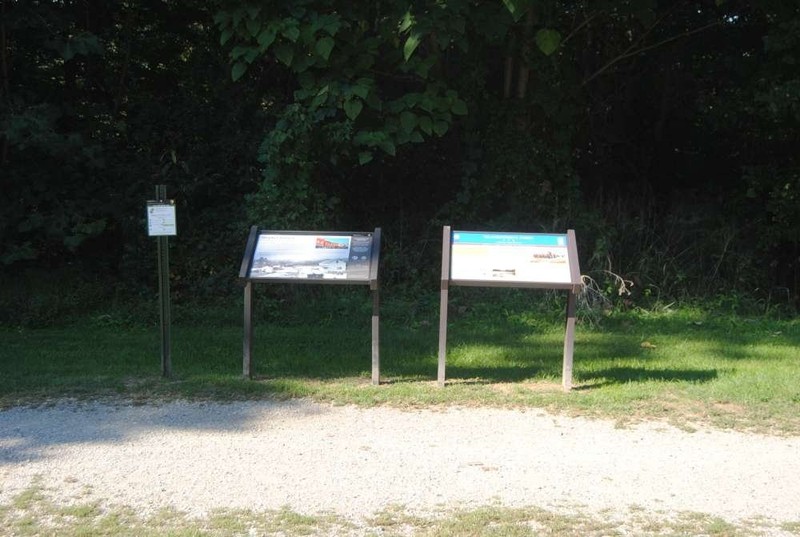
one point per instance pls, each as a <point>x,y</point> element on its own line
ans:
<point>586,21</point>
<point>636,52</point>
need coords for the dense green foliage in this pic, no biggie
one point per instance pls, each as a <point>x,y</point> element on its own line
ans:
<point>663,132</point>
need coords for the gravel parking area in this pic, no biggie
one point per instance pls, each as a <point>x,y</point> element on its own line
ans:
<point>354,462</point>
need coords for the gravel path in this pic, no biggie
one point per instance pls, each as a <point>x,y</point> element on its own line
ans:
<point>355,462</point>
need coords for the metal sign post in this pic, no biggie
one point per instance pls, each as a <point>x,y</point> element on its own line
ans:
<point>161,224</point>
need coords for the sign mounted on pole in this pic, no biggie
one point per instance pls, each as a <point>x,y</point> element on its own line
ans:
<point>161,223</point>
<point>511,259</point>
<point>498,259</point>
<point>310,257</point>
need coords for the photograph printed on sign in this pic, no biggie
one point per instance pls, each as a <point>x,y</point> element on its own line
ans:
<point>515,257</point>
<point>312,256</point>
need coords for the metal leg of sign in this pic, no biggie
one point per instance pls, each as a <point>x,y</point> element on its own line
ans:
<point>163,291</point>
<point>569,342</point>
<point>247,352</point>
<point>376,357</point>
<point>442,336</point>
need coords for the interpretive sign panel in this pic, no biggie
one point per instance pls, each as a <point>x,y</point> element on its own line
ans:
<point>315,256</point>
<point>498,259</point>
<point>489,258</point>
<point>161,219</point>
<point>310,257</point>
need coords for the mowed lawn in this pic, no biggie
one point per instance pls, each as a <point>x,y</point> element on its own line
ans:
<point>686,366</point>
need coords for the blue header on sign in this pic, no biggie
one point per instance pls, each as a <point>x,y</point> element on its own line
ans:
<point>509,239</point>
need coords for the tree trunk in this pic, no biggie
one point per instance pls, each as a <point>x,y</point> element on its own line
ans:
<point>4,72</point>
<point>524,70</point>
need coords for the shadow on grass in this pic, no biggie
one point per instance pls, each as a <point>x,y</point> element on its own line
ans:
<point>622,375</point>
<point>493,375</point>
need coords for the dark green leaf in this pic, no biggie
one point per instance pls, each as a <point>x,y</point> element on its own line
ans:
<point>518,8</point>
<point>331,24</point>
<point>285,54</point>
<point>364,157</point>
<point>319,100</point>
<point>427,103</point>
<point>251,54</point>
<point>440,128</point>
<point>548,40</point>
<point>389,147</point>
<point>253,26</point>
<point>408,120</point>
<point>226,35</point>
<point>291,33</point>
<point>352,108</point>
<point>459,107</point>
<point>406,22</point>
<point>361,88</point>
<point>411,45</point>
<point>426,125</point>
<point>266,38</point>
<point>324,47</point>
<point>238,70</point>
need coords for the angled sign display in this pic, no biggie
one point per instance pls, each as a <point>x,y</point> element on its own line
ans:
<point>310,257</point>
<point>501,259</point>
<point>513,259</point>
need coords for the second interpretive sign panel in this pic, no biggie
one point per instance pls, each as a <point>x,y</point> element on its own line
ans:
<point>493,258</point>
<point>500,259</point>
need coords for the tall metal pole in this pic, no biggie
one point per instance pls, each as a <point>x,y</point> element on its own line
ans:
<point>163,291</point>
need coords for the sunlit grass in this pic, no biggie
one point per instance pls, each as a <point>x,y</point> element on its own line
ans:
<point>680,365</point>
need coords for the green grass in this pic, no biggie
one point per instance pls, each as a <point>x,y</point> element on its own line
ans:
<point>504,349</point>
<point>45,514</point>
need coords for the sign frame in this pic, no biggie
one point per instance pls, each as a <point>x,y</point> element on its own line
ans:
<point>551,245</point>
<point>370,278</point>
<point>161,218</point>
<point>527,244</point>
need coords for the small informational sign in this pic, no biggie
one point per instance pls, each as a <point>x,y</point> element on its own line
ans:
<point>161,219</point>
<point>513,258</point>
<point>312,256</point>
